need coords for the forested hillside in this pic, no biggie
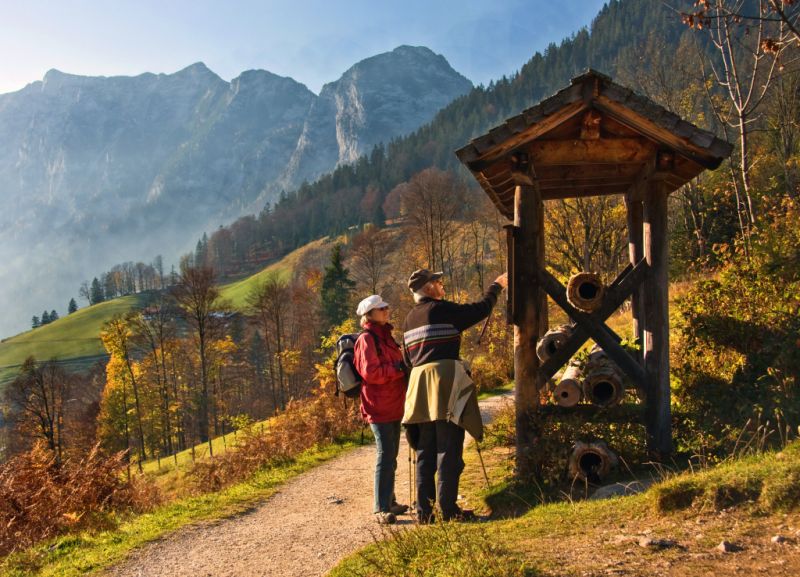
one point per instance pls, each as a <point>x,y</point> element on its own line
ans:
<point>361,192</point>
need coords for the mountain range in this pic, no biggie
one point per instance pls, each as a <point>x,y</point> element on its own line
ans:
<point>99,170</point>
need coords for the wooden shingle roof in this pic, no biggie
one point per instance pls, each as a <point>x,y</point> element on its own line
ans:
<point>593,137</point>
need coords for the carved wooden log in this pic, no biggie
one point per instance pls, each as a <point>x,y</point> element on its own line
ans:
<point>552,341</point>
<point>585,291</point>
<point>568,390</point>
<point>591,461</point>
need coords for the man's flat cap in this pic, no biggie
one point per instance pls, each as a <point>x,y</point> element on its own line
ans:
<point>419,278</point>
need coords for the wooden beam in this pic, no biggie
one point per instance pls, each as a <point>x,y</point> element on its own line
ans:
<point>580,183</point>
<point>586,171</point>
<point>600,151</point>
<point>617,292</point>
<point>634,211</point>
<point>656,321</point>
<point>563,193</point>
<point>543,126</point>
<point>530,309</point>
<point>650,129</point>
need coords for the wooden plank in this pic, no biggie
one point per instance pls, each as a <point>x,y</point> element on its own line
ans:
<point>656,321</point>
<point>601,151</point>
<point>556,172</point>
<point>652,130</point>
<point>491,153</point>
<point>584,183</point>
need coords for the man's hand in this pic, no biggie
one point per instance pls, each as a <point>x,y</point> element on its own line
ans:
<point>502,280</point>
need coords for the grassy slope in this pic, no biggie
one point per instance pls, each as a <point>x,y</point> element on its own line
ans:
<point>76,336</point>
<point>745,501</point>
<point>70,337</point>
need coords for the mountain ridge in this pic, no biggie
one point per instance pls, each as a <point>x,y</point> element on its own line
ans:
<point>97,170</point>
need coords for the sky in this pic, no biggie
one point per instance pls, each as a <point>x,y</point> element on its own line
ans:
<point>312,41</point>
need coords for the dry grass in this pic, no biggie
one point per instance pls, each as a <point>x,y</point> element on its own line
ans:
<point>315,421</point>
<point>40,499</point>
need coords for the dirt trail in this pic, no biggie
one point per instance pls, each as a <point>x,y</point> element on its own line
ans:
<point>302,531</point>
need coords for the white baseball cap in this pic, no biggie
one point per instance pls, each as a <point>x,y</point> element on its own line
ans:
<point>369,303</point>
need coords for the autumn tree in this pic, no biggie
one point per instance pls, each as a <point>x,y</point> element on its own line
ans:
<point>370,257</point>
<point>198,297</point>
<point>38,397</point>
<point>116,336</point>
<point>154,333</point>
<point>432,201</point>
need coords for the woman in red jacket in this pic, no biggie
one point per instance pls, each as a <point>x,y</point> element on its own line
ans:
<point>379,361</point>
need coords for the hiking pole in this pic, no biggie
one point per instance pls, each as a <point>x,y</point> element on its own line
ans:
<point>480,457</point>
<point>483,330</point>
<point>410,484</point>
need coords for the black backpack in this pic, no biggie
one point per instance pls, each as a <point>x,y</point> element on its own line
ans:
<point>348,381</point>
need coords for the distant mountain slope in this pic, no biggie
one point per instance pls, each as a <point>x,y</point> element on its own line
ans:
<point>95,171</point>
<point>75,339</point>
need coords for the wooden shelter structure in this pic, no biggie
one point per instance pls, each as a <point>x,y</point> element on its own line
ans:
<point>593,137</point>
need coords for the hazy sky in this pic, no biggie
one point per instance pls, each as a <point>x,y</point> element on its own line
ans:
<point>313,41</point>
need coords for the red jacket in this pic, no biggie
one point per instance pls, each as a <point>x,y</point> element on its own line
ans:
<point>383,391</point>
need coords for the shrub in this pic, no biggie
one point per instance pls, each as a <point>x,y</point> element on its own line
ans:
<point>303,424</point>
<point>40,499</point>
<point>737,357</point>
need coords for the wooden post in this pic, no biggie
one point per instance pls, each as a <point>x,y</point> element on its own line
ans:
<point>656,320</point>
<point>635,254</point>
<point>531,314</point>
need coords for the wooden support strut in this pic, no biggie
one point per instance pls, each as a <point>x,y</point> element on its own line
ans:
<point>593,325</point>
<point>530,313</point>
<point>615,295</point>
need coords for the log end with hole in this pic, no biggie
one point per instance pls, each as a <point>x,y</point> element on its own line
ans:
<point>591,462</point>
<point>567,392</point>
<point>552,341</point>
<point>603,387</point>
<point>585,291</point>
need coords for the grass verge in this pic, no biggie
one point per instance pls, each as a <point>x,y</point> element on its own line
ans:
<point>91,552</point>
<point>683,518</point>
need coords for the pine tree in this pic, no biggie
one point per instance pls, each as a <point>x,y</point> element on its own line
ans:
<point>53,316</point>
<point>96,292</point>
<point>336,288</point>
<point>45,318</point>
<point>72,307</point>
<point>35,322</point>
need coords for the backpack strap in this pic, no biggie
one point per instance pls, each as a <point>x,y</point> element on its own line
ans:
<point>375,338</point>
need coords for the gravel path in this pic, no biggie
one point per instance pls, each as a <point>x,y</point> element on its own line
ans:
<point>303,530</point>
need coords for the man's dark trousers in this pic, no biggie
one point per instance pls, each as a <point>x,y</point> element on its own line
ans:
<point>439,448</point>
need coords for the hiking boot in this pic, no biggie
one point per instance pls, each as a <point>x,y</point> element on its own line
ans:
<point>398,509</point>
<point>385,518</point>
<point>425,518</point>
<point>463,515</point>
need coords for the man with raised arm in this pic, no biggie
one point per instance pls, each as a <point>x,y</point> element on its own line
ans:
<point>441,402</point>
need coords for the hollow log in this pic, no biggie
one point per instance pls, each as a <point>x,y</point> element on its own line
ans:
<point>585,291</point>
<point>603,382</point>
<point>552,341</point>
<point>567,392</point>
<point>591,461</point>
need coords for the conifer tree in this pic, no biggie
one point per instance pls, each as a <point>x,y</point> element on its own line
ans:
<point>35,322</point>
<point>45,318</point>
<point>96,294</point>
<point>72,307</point>
<point>336,288</point>
<point>53,315</point>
